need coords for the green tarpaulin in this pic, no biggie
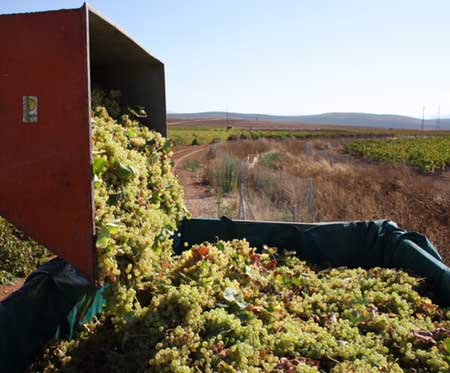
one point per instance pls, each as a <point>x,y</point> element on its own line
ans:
<point>54,299</point>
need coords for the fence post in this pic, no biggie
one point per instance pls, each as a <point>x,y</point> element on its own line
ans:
<point>310,199</point>
<point>309,185</point>
<point>245,211</point>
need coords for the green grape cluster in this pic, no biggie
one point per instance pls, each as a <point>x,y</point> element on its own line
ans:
<point>138,204</point>
<point>6,278</point>
<point>110,100</point>
<point>19,255</point>
<point>223,307</point>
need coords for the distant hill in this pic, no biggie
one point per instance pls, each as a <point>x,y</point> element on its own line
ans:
<point>344,119</point>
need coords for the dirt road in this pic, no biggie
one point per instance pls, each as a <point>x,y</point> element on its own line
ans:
<point>197,196</point>
<point>183,153</point>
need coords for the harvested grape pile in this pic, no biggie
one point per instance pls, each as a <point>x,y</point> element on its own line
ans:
<point>224,308</point>
<point>138,203</point>
<point>19,255</point>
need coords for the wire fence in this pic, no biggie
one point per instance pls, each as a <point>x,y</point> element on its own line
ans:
<point>267,194</point>
<point>245,211</point>
<point>296,204</point>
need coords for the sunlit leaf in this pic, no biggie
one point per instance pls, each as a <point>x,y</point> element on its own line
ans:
<point>230,294</point>
<point>98,165</point>
<point>124,172</point>
<point>447,346</point>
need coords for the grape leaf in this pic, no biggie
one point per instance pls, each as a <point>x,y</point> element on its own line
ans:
<point>102,242</point>
<point>124,172</point>
<point>234,296</point>
<point>98,165</point>
<point>447,346</point>
<point>131,133</point>
<point>230,294</point>
<point>248,271</point>
<point>105,232</point>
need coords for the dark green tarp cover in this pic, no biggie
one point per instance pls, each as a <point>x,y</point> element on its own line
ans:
<point>53,301</point>
<point>56,298</point>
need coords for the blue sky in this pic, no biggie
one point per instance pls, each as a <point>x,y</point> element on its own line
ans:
<point>290,56</point>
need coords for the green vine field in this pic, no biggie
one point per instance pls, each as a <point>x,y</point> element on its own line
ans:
<point>427,154</point>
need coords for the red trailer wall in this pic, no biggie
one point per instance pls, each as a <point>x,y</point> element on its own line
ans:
<point>45,167</point>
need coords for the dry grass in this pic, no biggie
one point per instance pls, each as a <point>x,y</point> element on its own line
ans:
<point>414,201</point>
<point>344,188</point>
<point>246,148</point>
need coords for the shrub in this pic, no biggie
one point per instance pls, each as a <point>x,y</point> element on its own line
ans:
<point>195,141</point>
<point>271,159</point>
<point>223,174</point>
<point>191,165</point>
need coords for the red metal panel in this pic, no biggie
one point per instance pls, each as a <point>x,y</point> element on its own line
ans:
<point>45,172</point>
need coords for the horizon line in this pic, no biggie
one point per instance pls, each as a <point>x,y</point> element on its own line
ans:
<point>445,117</point>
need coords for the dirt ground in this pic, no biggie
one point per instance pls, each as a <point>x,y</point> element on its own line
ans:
<point>197,195</point>
<point>6,290</point>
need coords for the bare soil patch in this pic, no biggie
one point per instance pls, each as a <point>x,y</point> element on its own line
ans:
<point>198,197</point>
<point>7,290</point>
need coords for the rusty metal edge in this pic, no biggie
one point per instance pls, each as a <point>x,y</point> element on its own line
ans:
<point>42,11</point>
<point>85,15</point>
